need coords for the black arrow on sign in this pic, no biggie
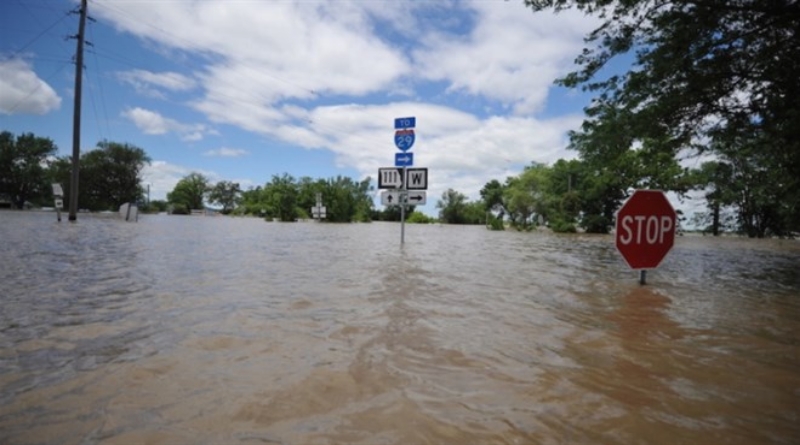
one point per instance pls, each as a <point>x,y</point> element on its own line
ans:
<point>389,198</point>
<point>415,198</point>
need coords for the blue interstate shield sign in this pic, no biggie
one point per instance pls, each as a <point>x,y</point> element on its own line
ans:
<point>404,139</point>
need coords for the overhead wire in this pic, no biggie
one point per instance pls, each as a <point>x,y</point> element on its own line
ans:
<point>18,51</point>
<point>99,77</point>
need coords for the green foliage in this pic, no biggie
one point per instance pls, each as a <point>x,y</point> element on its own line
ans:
<point>711,76</point>
<point>559,226</point>
<point>23,167</point>
<point>288,199</point>
<point>492,195</point>
<point>189,192</point>
<point>455,209</point>
<point>109,176</point>
<point>452,207</point>
<point>390,213</point>
<point>225,193</point>
<point>420,218</point>
<point>495,223</point>
<point>179,208</point>
<point>155,206</point>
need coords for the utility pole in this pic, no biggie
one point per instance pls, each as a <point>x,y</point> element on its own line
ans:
<point>76,116</point>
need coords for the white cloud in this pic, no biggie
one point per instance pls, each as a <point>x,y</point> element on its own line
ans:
<point>460,150</point>
<point>295,71</point>
<point>22,91</point>
<point>150,84</point>
<point>151,122</point>
<point>226,152</point>
<point>511,55</point>
<point>162,177</point>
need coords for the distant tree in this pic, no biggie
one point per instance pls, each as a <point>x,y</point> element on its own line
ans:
<point>156,206</point>
<point>190,191</point>
<point>452,207</point>
<point>109,175</point>
<point>23,166</point>
<point>493,199</point>
<point>280,196</point>
<point>225,193</point>
<point>420,218</point>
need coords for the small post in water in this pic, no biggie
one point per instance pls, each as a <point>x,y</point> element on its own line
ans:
<point>642,277</point>
<point>58,194</point>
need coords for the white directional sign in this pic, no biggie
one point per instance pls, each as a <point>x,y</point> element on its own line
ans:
<point>417,178</point>
<point>390,178</point>
<point>416,198</point>
<point>390,197</point>
<point>318,212</point>
<point>397,197</point>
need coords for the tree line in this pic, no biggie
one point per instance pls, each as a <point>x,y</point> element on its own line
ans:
<point>110,174</point>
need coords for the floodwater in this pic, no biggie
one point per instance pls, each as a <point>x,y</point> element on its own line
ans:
<point>208,330</point>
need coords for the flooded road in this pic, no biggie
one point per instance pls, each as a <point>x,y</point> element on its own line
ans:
<point>221,330</point>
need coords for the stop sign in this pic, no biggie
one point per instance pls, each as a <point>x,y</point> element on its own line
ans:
<point>645,229</point>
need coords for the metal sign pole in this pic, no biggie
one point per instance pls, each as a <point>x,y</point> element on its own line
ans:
<point>403,209</point>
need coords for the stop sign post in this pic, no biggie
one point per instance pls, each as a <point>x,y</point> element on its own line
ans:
<point>645,230</point>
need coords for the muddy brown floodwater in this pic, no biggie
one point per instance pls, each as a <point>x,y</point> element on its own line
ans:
<point>218,330</point>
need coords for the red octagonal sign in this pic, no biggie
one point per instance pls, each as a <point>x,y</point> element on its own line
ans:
<point>645,229</point>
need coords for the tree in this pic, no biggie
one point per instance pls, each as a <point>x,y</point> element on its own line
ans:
<point>190,191</point>
<point>155,206</point>
<point>452,207</point>
<point>225,193</point>
<point>280,196</point>
<point>492,196</point>
<point>704,71</point>
<point>23,163</point>
<point>525,195</point>
<point>110,175</point>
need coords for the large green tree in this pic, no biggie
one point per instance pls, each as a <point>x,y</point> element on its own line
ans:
<point>225,193</point>
<point>281,197</point>
<point>704,72</point>
<point>189,193</point>
<point>110,175</point>
<point>492,196</point>
<point>23,166</point>
<point>455,208</point>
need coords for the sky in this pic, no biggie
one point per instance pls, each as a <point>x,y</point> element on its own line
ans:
<point>241,90</point>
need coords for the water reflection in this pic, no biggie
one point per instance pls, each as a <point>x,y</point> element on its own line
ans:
<point>218,330</point>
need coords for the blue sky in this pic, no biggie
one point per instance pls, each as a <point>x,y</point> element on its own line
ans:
<point>242,90</point>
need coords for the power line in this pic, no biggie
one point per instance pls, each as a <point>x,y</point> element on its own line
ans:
<point>14,54</point>
<point>100,83</point>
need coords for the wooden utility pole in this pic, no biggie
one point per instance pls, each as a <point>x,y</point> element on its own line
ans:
<point>76,116</point>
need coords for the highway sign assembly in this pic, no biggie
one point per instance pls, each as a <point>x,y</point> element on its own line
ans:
<point>401,179</point>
